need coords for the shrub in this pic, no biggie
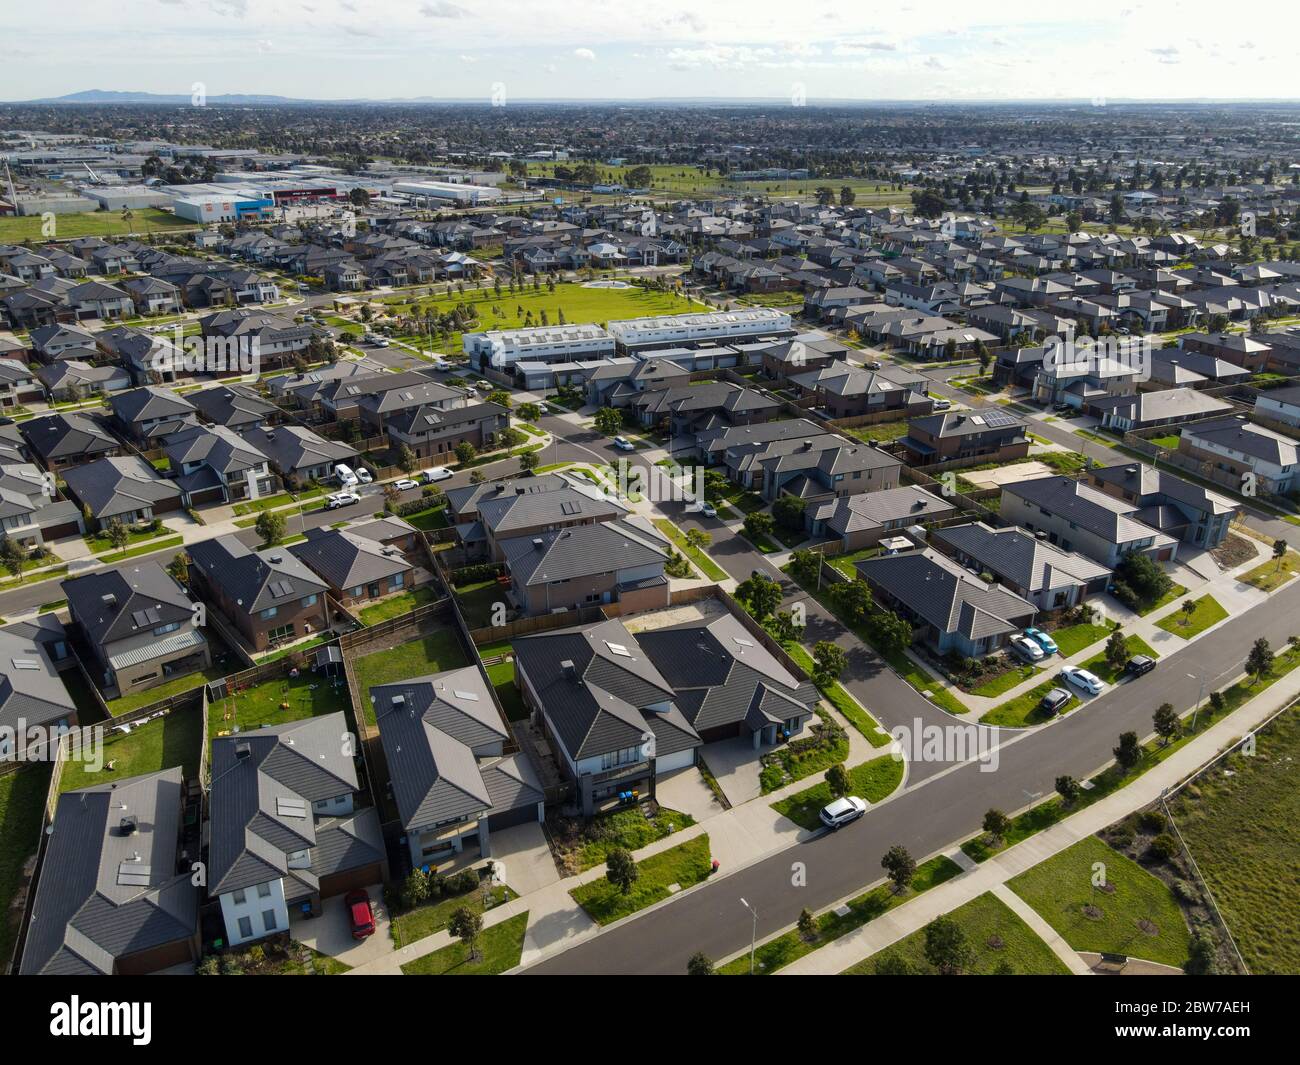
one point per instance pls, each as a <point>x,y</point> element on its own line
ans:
<point>1187,892</point>
<point>1164,847</point>
<point>1200,960</point>
<point>1151,822</point>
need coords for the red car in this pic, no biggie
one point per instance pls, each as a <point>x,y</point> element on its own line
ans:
<point>359,911</point>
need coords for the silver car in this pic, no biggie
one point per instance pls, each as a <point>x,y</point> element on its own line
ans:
<point>843,811</point>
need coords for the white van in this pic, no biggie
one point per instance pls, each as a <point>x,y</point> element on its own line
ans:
<point>438,473</point>
<point>345,476</point>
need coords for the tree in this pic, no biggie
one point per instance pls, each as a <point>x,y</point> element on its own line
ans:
<point>621,870</point>
<point>893,965</point>
<point>699,965</point>
<point>899,866</point>
<point>179,567</point>
<point>996,824</point>
<point>1067,788</point>
<point>829,661</point>
<point>270,526</point>
<point>783,627</point>
<point>12,556</point>
<point>807,924</point>
<point>1200,954</point>
<point>805,563</point>
<point>530,411</point>
<point>609,420</point>
<point>759,525</point>
<point>761,593</point>
<point>510,438</point>
<point>466,924</point>
<point>788,511</point>
<point>1279,553</point>
<point>415,888</point>
<point>1166,723</point>
<point>837,779</point>
<point>1129,751</point>
<point>499,396</point>
<point>946,947</point>
<point>982,353</point>
<point>465,452</point>
<point>406,459</point>
<point>699,538</point>
<point>1116,650</point>
<point>118,535</point>
<point>1188,609</point>
<point>1259,663</point>
<point>893,633</point>
<point>1139,579</point>
<point>855,600</point>
<point>528,462</point>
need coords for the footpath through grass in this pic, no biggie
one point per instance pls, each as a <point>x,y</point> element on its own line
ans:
<point>686,864</point>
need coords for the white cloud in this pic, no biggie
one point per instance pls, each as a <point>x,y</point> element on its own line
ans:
<point>585,53</point>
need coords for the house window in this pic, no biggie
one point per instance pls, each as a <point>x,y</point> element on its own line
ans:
<point>281,632</point>
<point>268,920</point>
<point>359,590</point>
<point>309,601</point>
<point>397,580</point>
<point>269,612</point>
<point>245,928</point>
<point>263,891</point>
<point>162,630</point>
<point>239,897</point>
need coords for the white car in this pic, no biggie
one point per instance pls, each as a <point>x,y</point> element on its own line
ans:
<point>842,811</point>
<point>942,404</point>
<point>1083,679</point>
<point>1026,648</point>
<point>341,499</point>
<point>483,386</point>
<point>441,364</point>
<point>624,444</point>
<point>363,475</point>
<point>438,473</point>
<point>405,483</point>
<point>701,507</point>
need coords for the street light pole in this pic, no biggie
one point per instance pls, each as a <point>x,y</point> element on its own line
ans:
<point>753,937</point>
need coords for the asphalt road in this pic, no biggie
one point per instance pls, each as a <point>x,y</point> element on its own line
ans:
<point>927,818</point>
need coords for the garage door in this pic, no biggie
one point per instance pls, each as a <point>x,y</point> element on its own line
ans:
<point>363,876</point>
<point>680,760</point>
<point>509,818</point>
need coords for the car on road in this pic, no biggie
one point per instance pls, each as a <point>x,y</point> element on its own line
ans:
<point>1025,649</point>
<point>1042,639</point>
<point>438,473</point>
<point>1083,679</point>
<point>842,811</point>
<point>360,913</point>
<point>405,484</point>
<point>1139,664</point>
<point>702,507</point>
<point>441,364</point>
<point>872,364</point>
<point>624,444</point>
<point>341,499</point>
<point>1054,701</point>
<point>942,404</point>
<point>483,386</point>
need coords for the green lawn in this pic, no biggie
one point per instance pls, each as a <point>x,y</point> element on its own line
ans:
<point>91,224</point>
<point>994,934</point>
<point>502,676</point>
<point>1272,574</point>
<point>1136,646</point>
<point>159,744</point>
<point>438,651</point>
<point>189,682</point>
<point>499,949</point>
<point>99,541</point>
<point>1208,612</point>
<point>1005,681</point>
<point>1241,831</point>
<point>1139,918</point>
<point>22,798</point>
<point>882,432</point>
<point>250,708</point>
<point>873,781</point>
<point>784,949</point>
<point>838,696</point>
<point>478,601</point>
<point>414,925</point>
<point>1174,593</point>
<point>629,829</point>
<point>1074,638</point>
<point>787,764</point>
<point>147,547</point>
<point>699,559</point>
<point>434,517</point>
<point>684,865</point>
<point>1024,710</point>
<point>283,499</point>
<point>397,605</point>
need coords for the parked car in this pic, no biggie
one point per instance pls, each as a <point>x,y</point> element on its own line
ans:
<point>872,364</point>
<point>699,506</point>
<point>1025,649</point>
<point>1042,639</point>
<point>380,342</point>
<point>405,483</point>
<point>1083,679</point>
<point>341,499</point>
<point>483,386</point>
<point>360,912</point>
<point>624,444</point>
<point>1054,701</point>
<point>842,811</point>
<point>438,473</point>
<point>1139,664</point>
<point>441,364</point>
<point>942,404</point>
<point>363,475</point>
<point>344,475</point>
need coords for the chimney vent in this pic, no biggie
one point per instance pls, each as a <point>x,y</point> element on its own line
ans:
<point>128,825</point>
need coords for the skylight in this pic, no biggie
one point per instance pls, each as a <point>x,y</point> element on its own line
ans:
<point>618,649</point>
<point>470,696</point>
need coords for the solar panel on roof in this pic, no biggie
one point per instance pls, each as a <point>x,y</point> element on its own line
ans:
<point>140,618</point>
<point>133,874</point>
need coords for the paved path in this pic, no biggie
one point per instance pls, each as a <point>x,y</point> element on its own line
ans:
<point>1043,930</point>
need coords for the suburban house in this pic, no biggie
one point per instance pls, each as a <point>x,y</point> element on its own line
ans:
<point>1279,405</point>
<point>75,380</point>
<point>950,609</point>
<point>433,432</point>
<point>989,435</point>
<point>1025,563</point>
<point>453,781</point>
<point>139,626</point>
<point>712,445</point>
<point>1239,448</point>
<point>802,354</point>
<point>1176,367</point>
<point>816,470</point>
<point>514,512</point>
<point>298,455</point>
<point>60,441</point>
<point>19,384</point>
<point>463,501</point>
<point>1148,410</point>
<point>862,520</point>
<point>356,568</point>
<point>269,595</point>
<point>1080,518</point>
<point>28,514</point>
<point>1079,381</point>
<point>1234,347</point>
<point>1168,502</point>
<point>126,489</point>
<point>114,897</point>
<point>147,413</point>
<point>844,390</point>
<point>234,406</point>
<point>285,829</point>
<point>683,409</point>
<point>32,693</point>
<point>619,561</point>
<point>212,464</point>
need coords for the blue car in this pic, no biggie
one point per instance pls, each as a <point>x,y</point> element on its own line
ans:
<point>1043,640</point>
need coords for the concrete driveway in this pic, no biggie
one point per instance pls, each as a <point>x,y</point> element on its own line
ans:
<point>686,791</point>
<point>735,764</point>
<point>331,932</point>
<point>524,852</point>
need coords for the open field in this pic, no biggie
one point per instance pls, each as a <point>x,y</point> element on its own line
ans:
<point>91,224</point>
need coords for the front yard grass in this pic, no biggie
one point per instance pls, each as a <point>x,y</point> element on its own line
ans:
<point>873,781</point>
<point>414,925</point>
<point>158,744</point>
<point>685,865</point>
<point>583,845</point>
<point>499,949</point>
<point>1024,709</point>
<point>397,605</point>
<point>1074,638</point>
<point>994,934</point>
<point>825,745</point>
<point>433,653</point>
<point>1176,592</point>
<point>22,798</point>
<point>1136,914</point>
<point>146,547</point>
<point>1136,646</point>
<point>1270,575</point>
<point>838,696</point>
<point>1004,682</point>
<point>698,559</point>
<point>791,946</point>
<point>1208,612</point>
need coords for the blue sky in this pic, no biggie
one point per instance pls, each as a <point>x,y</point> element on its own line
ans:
<point>816,49</point>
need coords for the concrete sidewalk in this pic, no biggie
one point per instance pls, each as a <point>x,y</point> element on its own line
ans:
<point>889,928</point>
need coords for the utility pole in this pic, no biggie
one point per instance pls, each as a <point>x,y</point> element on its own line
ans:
<point>753,936</point>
